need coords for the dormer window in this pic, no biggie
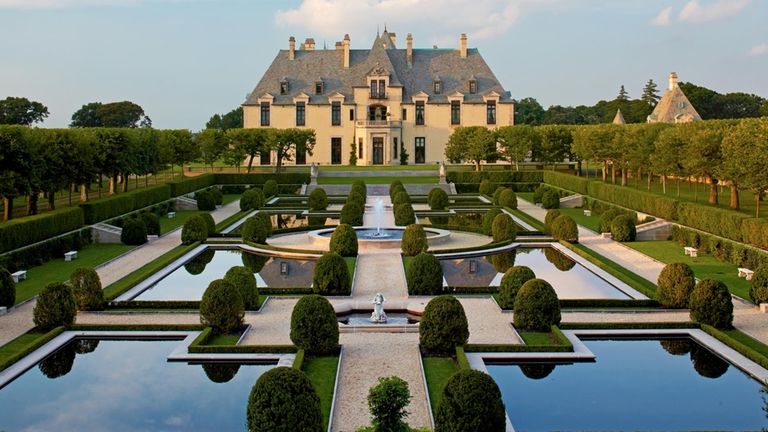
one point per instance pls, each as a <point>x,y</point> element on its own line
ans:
<point>437,86</point>
<point>284,86</point>
<point>318,87</point>
<point>472,86</point>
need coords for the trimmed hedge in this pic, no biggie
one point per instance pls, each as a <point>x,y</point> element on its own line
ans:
<point>486,187</point>
<point>646,202</point>
<point>437,199</point>
<point>758,288</point>
<point>564,228</point>
<point>401,197</point>
<point>318,200</point>
<point>209,223</point>
<point>205,201</point>
<point>195,229</point>
<point>282,179</point>
<point>675,284</point>
<point>21,232</point>
<point>270,188</point>
<point>314,327</point>
<point>511,282</point>
<point>284,399</point>
<point>606,219</point>
<point>711,304</point>
<point>536,306</point>
<point>425,275</point>
<point>134,232</point>
<point>404,215</point>
<point>86,289</point>
<point>507,198</point>
<point>344,240</point>
<point>191,184</point>
<point>222,307</point>
<point>151,223</point>
<point>414,240</point>
<point>243,279</point>
<point>7,288</point>
<point>352,214</point>
<point>252,199</point>
<point>550,199</point>
<point>722,222</point>
<point>503,228</point>
<point>443,325</point>
<point>567,181</point>
<point>550,217</point>
<point>488,219</point>
<point>257,228</point>
<point>331,276</point>
<point>55,307</point>
<point>120,204</point>
<point>623,229</point>
<point>471,401</point>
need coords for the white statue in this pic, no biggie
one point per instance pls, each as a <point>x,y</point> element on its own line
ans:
<point>313,170</point>
<point>378,315</point>
<point>442,169</point>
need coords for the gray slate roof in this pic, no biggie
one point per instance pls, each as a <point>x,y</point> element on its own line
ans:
<point>309,66</point>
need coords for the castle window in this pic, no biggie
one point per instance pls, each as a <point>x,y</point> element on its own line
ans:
<point>472,86</point>
<point>318,87</point>
<point>455,112</point>
<point>490,113</point>
<point>437,86</point>
<point>284,87</point>
<point>336,113</point>
<point>405,114</point>
<point>420,113</point>
<point>301,116</point>
<point>265,113</point>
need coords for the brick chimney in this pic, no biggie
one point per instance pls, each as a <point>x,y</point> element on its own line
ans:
<point>409,49</point>
<point>291,48</point>
<point>463,45</point>
<point>672,80</point>
<point>345,43</point>
<point>309,44</point>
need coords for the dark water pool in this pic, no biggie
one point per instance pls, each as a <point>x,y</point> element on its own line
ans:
<point>127,385</point>
<point>635,385</point>
<point>189,281</point>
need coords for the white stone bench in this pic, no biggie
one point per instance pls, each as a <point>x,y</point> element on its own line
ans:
<point>587,213</point>
<point>171,215</point>
<point>746,273</point>
<point>69,256</point>
<point>607,235</point>
<point>19,275</point>
<point>763,307</point>
<point>691,251</point>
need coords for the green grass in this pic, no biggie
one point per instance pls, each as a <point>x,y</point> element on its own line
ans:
<point>225,339</point>
<point>18,345</point>
<point>378,180</point>
<point>528,218</point>
<point>351,263</point>
<point>539,338</point>
<point>748,340</point>
<point>437,371</point>
<point>433,167</point>
<point>167,225</point>
<point>321,371</point>
<point>577,214</point>
<point>703,266</point>
<point>634,280</point>
<point>59,270</point>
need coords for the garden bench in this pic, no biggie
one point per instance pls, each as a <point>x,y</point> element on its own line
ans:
<point>691,251</point>
<point>587,213</point>
<point>746,273</point>
<point>19,275</point>
<point>171,215</point>
<point>607,235</point>
<point>69,256</point>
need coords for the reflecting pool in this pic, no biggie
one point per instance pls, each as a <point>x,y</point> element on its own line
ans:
<point>669,385</point>
<point>127,385</point>
<point>570,279</point>
<point>189,281</point>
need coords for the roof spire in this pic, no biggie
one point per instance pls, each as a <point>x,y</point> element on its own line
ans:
<point>377,31</point>
<point>385,27</point>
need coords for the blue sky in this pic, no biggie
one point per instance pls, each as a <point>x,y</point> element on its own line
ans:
<point>183,60</point>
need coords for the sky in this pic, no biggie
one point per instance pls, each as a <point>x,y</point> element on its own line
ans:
<point>184,60</point>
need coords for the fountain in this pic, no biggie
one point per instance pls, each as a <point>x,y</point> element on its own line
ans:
<point>378,316</point>
<point>378,216</point>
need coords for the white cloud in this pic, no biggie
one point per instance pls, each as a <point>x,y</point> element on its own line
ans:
<point>664,18</point>
<point>439,21</point>
<point>694,12</point>
<point>759,50</point>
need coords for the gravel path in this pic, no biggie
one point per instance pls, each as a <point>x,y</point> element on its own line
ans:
<point>380,272</point>
<point>487,323</point>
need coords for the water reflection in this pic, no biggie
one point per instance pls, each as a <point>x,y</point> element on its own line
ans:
<point>220,372</point>
<point>503,261</point>
<point>676,346</point>
<point>59,363</point>
<point>198,263</point>
<point>254,262</point>
<point>560,261</point>
<point>537,371</point>
<point>706,363</point>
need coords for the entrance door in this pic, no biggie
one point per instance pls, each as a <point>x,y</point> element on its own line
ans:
<point>378,150</point>
<point>336,151</point>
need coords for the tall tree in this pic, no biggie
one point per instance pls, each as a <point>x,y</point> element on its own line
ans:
<point>251,142</point>
<point>650,94</point>
<point>666,160</point>
<point>704,156</point>
<point>555,144</point>
<point>123,114</point>
<point>178,148</point>
<point>528,111</point>
<point>517,142</point>
<point>230,120</point>
<point>212,144</point>
<point>473,144</point>
<point>288,142</point>
<point>623,95</point>
<point>745,150</point>
<point>21,111</point>
<point>15,165</point>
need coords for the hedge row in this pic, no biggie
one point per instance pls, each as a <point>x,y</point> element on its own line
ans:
<point>567,181</point>
<point>495,176</point>
<point>21,232</point>
<point>45,251</point>
<point>260,179</point>
<point>724,250</point>
<point>107,208</point>
<point>185,186</point>
<point>646,202</point>
<point>740,347</point>
<point>31,346</point>
<point>155,304</point>
<point>725,223</point>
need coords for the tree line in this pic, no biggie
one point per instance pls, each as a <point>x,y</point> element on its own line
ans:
<point>41,162</point>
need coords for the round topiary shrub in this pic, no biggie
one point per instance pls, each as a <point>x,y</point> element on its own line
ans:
<point>314,327</point>
<point>488,218</point>
<point>623,228</point>
<point>331,276</point>
<point>471,402</point>
<point>218,197</point>
<point>55,307</point>
<point>352,214</point>
<point>675,284</point>
<point>134,232</point>
<point>550,217</point>
<point>536,306</point>
<point>244,281</point>
<point>508,198</point>
<point>711,304</point>
<point>443,325</point>
<point>195,229</point>
<point>356,198</point>
<point>387,401</point>
<point>318,200</point>
<point>414,240</point>
<point>270,188</point>
<point>222,307</point>
<point>758,288</point>
<point>395,186</point>
<point>344,240</point>
<point>209,223</point>
<point>564,228</point>
<point>252,199</point>
<point>401,197</point>
<point>7,289</point>
<point>437,199</point>
<point>511,282</point>
<point>359,187</point>
<point>425,275</point>
<point>503,228</point>
<point>257,228</point>
<point>86,288</point>
<point>205,201</point>
<point>404,215</point>
<point>538,193</point>
<point>550,199</point>
<point>496,194</point>
<point>606,219</point>
<point>151,223</point>
<point>487,188</point>
<point>283,399</point>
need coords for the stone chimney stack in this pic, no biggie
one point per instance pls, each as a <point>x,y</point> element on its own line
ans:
<point>672,80</point>
<point>409,49</point>
<point>463,45</point>
<point>345,43</point>
<point>291,48</point>
<point>309,44</point>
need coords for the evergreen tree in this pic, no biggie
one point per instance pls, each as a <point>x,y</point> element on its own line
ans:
<point>650,94</point>
<point>623,95</point>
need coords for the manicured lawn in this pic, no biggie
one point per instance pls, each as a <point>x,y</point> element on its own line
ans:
<point>437,371</point>
<point>351,263</point>
<point>748,341</point>
<point>15,346</point>
<point>228,198</point>
<point>168,225</point>
<point>539,338</point>
<point>226,339</point>
<point>577,214</point>
<point>321,371</point>
<point>432,167</point>
<point>378,180</point>
<point>59,270</point>
<point>704,266</point>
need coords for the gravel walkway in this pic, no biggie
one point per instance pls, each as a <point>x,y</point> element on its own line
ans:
<point>380,272</point>
<point>487,323</point>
